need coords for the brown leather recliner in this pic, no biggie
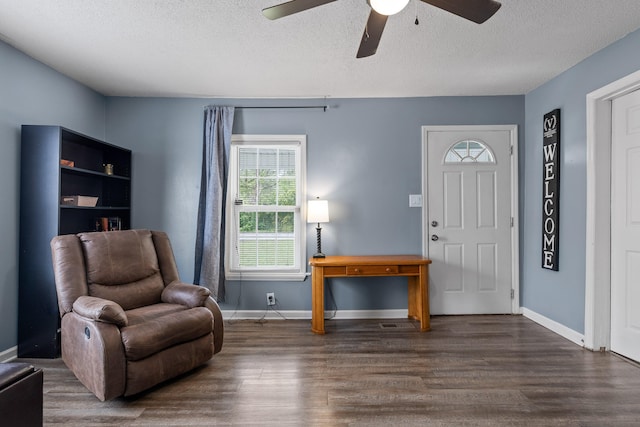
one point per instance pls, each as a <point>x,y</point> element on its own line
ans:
<point>128,323</point>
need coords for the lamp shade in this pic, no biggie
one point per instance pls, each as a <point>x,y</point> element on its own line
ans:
<point>388,7</point>
<point>318,211</point>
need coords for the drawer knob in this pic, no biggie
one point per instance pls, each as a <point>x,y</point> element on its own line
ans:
<point>388,270</point>
<point>357,270</point>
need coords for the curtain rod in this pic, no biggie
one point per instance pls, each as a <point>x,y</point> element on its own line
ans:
<point>273,107</point>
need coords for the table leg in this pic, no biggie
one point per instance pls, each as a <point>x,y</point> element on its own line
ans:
<point>423,306</point>
<point>317,300</point>
<point>413,293</point>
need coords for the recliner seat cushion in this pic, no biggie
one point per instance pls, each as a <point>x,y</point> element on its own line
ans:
<point>145,339</point>
<point>152,312</point>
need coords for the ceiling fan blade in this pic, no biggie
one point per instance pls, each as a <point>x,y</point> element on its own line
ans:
<point>372,34</point>
<point>291,7</point>
<point>477,11</point>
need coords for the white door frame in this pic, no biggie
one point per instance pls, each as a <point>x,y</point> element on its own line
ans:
<point>515,229</point>
<point>597,310</point>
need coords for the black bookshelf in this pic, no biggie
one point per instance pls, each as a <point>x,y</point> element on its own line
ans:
<point>57,162</point>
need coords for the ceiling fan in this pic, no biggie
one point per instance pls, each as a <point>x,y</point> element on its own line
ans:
<point>477,11</point>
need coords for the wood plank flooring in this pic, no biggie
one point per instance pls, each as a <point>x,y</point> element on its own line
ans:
<point>467,371</point>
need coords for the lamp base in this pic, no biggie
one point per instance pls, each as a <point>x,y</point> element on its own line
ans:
<point>319,253</point>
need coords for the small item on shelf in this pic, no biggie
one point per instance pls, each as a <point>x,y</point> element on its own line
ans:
<point>84,201</point>
<point>113,223</point>
<point>69,163</point>
<point>108,168</point>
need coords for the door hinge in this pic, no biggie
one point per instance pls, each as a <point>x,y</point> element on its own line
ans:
<point>513,294</point>
<point>511,221</point>
<point>511,150</point>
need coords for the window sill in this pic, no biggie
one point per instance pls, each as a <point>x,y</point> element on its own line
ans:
<point>266,276</point>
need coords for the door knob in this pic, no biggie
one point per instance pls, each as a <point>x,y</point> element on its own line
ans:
<point>434,237</point>
<point>434,223</point>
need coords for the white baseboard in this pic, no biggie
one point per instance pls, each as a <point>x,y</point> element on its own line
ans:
<point>554,326</point>
<point>306,314</point>
<point>265,314</point>
<point>9,354</point>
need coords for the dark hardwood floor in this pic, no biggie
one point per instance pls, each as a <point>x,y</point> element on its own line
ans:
<point>467,371</point>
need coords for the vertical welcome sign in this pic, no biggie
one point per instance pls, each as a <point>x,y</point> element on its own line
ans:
<point>551,190</point>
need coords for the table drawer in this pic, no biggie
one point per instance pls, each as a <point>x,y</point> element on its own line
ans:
<point>371,270</point>
<point>410,270</point>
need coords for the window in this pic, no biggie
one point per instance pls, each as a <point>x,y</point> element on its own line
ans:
<point>469,151</point>
<point>265,233</point>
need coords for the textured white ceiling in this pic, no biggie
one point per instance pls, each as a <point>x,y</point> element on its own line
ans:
<point>226,48</point>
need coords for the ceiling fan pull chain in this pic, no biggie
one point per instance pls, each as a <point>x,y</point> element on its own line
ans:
<point>416,21</point>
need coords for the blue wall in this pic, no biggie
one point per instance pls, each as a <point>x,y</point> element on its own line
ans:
<point>560,295</point>
<point>364,156</point>
<point>31,93</point>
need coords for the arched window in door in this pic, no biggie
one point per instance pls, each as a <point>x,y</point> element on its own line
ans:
<point>469,151</point>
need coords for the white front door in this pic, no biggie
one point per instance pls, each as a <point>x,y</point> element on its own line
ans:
<point>469,218</point>
<point>625,226</point>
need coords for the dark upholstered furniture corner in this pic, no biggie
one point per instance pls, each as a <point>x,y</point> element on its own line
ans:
<point>128,323</point>
<point>20,395</point>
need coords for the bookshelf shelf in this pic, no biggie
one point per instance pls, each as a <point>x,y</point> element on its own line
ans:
<point>79,171</point>
<point>96,208</point>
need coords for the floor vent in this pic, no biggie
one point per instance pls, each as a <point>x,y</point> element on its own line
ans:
<point>391,325</point>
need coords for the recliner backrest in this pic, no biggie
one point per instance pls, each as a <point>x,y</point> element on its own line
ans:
<point>122,267</point>
<point>137,259</point>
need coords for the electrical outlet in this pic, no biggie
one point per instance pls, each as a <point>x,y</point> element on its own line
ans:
<point>271,298</point>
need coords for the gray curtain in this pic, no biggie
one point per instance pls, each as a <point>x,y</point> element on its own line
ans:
<point>209,259</point>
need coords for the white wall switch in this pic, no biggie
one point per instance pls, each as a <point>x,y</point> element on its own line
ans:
<point>415,200</point>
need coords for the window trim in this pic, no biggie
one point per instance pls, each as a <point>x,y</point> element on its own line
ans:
<point>299,271</point>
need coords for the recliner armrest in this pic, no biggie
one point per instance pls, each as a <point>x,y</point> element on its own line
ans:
<point>101,310</point>
<point>185,294</point>
<point>218,324</point>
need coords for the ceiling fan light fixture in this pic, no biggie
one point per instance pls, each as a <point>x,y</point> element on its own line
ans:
<point>388,7</point>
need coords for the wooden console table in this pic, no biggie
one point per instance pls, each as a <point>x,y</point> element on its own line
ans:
<point>415,267</point>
